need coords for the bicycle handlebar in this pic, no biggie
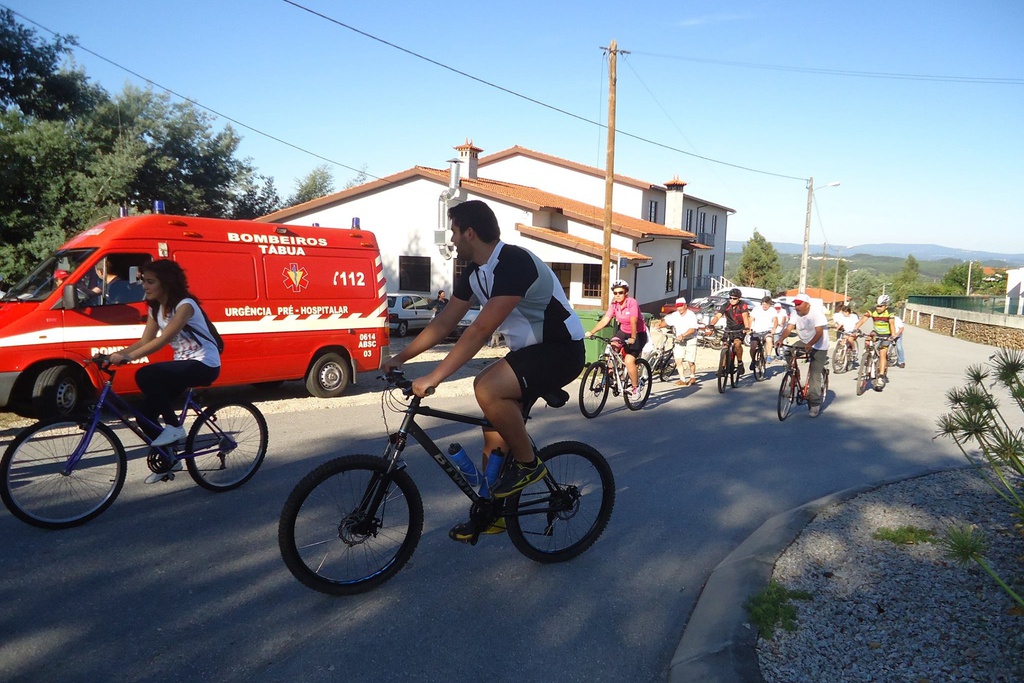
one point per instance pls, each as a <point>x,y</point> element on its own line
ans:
<point>396,379</point>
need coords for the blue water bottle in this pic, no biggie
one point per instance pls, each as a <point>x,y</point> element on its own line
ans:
<point>490,477</point>
<point>465,464</point>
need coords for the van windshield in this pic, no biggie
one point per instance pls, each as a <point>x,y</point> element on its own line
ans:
<point>48,276</point>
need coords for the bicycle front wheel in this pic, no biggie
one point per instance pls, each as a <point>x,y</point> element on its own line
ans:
<point>349,526</point>
<point>594,389</point>
<point>863,373</point>
<point>760,365</point>
<point>564,513</point>
<point>643,377</point>
<point>723,369</point>
<point>229,443</point>
<point>787,396</point>
<point>38,490</point>
<point>839,357</point>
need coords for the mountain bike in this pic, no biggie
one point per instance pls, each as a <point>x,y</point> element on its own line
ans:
<point>792,391</point>
<point>64,472</point>
<point>728,361</point>
<point>867,373</point>
<point>662,362</point>
<point>758,360</point>
<point>353,522</point>
<point>608,374</point>
<point>843,355</point>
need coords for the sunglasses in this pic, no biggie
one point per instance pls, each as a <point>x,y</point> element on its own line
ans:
<point>619,291</point>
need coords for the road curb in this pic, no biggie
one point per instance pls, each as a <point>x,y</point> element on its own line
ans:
<point>718,644</point>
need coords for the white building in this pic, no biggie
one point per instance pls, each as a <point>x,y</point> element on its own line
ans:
<point>664,243</point>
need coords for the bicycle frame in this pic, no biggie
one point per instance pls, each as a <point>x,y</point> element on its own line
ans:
<point>615,358</point>
<point>399,440</point>
<point>125,413</point>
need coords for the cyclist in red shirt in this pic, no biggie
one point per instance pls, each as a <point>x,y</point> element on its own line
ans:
<point>737,323</point>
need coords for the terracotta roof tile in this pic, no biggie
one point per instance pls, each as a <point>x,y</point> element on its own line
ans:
<point>584,246</point>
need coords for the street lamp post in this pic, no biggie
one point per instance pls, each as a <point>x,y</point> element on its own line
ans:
<point>807,233</point>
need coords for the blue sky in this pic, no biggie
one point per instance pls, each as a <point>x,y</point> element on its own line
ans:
<point>919,160</point>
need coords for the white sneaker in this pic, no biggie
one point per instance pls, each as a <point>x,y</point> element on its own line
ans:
<point>635,396</point>
<point>170,435</point>
<point>159,476</point>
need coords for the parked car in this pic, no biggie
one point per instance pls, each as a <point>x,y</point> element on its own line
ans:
<point>407,312</point>
<point>466,321</point>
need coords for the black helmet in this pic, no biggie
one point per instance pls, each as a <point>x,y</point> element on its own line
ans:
<point>735,293</point>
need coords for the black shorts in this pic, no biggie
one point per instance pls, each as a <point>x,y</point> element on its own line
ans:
<point>544,368</point>
<point>637,347</point>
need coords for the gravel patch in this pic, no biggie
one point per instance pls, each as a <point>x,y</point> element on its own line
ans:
<point>882,612</point>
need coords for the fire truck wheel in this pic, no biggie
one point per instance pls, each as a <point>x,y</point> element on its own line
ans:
<point>328,376</point>
<point>58,391</point>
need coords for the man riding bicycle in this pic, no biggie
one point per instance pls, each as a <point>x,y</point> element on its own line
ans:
<point>763,322</point>
<point>884,322</point>
<point>523,299</point>
<point>812,330</point>
<point>737,323</point>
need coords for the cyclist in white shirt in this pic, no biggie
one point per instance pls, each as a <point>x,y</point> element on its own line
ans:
<point>782,319</point>
<point>684,325</point>
<point>845,322</point>
<point>811,327</point>
<point>763,321</point>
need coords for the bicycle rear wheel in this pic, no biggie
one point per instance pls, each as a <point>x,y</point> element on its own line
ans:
<point>348,526</point>
<point>563,514</point>
<point>643,376</point>
<point>229,442</point>
<point>787,396</point>
<point>35,487</point>
<point>594,389</point>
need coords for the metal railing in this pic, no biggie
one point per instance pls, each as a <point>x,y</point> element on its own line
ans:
<point>976,304</point>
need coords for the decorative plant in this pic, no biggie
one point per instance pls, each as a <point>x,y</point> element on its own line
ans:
<point>998,448</point>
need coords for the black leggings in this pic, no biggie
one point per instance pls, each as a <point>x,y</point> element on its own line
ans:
<point>162,383</point>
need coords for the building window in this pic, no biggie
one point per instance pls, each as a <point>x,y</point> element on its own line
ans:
<point>652,211</point>
<point>689,218</point>
<point>711,265</point>
<point>414,273</point>
<point>700,221</point>
<point>563,271</point>
<point>714,223</point>
<point>685,260</point>
<point>700,265</point>
<point>670,276</point>
<point>592,281</point>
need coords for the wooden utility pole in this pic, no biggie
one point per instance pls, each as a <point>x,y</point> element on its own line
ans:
<point>609,179</point>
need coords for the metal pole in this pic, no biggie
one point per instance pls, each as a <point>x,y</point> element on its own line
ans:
<point>807,238</point>
<point>969,265</point>
<point>609,181</point>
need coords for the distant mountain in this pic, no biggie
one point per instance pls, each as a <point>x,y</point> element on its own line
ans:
<point>922,252</point>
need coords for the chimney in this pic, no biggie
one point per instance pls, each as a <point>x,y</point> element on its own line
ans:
<point>468,156</point>
<point>453,174</point>
<point>674,195</point>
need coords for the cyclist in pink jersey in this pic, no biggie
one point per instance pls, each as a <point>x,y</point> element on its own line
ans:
<point>631,327</point>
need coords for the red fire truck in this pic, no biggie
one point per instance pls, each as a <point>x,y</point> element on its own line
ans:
<point>291,302</point>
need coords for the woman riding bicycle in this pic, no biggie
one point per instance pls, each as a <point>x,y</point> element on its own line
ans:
<point>175,318</point>
<point>631,327</point>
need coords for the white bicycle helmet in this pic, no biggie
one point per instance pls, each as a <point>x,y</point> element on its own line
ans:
<point>620,283</point>
<point>883,300</point>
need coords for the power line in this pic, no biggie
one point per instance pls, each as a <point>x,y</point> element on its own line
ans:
<point>978,80</point>
<point>531,99</point>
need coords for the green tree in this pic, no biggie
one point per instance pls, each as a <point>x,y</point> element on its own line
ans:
<point>955,279</point>
<point>318,183</point>
<point>906,281</point>
<point>357,179</point>
<point>865,286</point>
<point>258,198</point>
<point>759,264</point>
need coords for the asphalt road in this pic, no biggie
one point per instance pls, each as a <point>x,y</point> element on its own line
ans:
<point>174,582</point>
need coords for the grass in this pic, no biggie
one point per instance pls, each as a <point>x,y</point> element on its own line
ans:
<point>772,607</point>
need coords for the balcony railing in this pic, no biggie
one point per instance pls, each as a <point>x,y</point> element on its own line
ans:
<point>706,238</point>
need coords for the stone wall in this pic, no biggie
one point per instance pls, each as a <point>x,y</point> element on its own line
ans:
<point>992,330</point>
